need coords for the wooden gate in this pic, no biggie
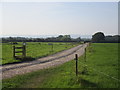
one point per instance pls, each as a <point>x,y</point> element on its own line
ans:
<point>23,51</point>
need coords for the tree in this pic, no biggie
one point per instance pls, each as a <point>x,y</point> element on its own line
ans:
<point>112,39</point>
<point>78,39</point>
<point>66,38</point>
<point>98,37</point>
<point>59,38</point>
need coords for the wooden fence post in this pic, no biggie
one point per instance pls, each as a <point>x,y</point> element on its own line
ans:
<point>85,55</point>
<point>52,47</point>
<point>13,51</point>
<point>76,58</point>
<point>24,51</point>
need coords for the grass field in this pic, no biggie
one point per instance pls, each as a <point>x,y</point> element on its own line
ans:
<point>34,50</point>
<point>102,67</point>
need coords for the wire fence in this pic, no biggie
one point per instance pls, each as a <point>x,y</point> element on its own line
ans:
<point>101,72</point>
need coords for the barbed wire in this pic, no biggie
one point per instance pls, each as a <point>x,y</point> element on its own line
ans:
<point>101,72</point>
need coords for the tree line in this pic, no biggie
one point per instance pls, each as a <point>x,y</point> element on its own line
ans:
<point>99,37</point>
<point>60,38</point>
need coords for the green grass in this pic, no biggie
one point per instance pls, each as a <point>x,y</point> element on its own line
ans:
<point>101,57</point>
<point>34,50</point>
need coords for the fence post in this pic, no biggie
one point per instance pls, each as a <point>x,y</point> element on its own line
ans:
<point>85,55</point>
<point>24,51</point>
<point>76,58</point>
<point>13,51</point>
<point>52,47</point>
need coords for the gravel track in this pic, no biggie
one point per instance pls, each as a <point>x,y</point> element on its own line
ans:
<point>11,70</point>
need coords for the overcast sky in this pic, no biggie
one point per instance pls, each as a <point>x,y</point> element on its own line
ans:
<point>51,18</point>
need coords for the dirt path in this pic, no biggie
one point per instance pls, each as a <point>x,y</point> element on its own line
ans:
<point>9,71</point>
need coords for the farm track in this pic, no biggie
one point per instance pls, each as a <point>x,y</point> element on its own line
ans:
<point>9,71</point>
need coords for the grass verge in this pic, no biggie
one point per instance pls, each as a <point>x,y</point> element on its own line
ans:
<point>34,50</point>
<point>100,58</point>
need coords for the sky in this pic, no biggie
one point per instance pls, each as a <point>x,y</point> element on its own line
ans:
<point>56,18</point>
